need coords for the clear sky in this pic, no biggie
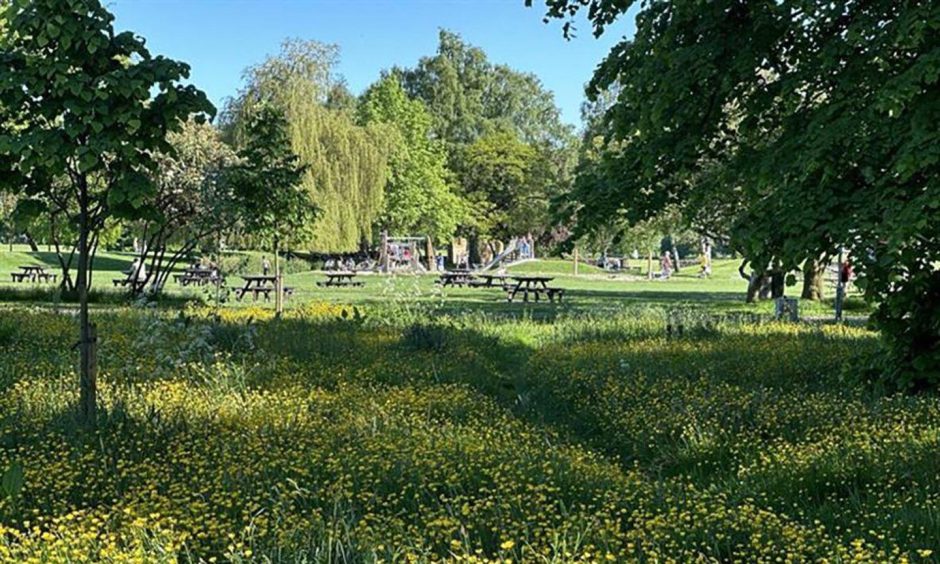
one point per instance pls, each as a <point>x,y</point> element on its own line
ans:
<point>219,38</point>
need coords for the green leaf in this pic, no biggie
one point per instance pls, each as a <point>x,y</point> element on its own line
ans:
<point>87,161</point>
<point>12,480</point>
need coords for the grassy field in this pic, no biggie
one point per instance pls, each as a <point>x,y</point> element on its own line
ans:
<point>404,433</point>
<point>593,290</point>
<point>405,422</point>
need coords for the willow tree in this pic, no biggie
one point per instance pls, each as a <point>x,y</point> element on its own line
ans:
<point>345,163</point>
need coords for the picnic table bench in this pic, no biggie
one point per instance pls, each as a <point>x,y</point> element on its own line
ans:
<point>198,276</point>
<point>129,281</point>
<point>455,278</point>
<point>340,278</point>
<point>33,273</point>
<point>535,285</point>
<point>260,285</point>
<point>490,281</point>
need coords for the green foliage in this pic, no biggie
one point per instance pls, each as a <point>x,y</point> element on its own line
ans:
<point>11,482</point>
<point>505,180</point>
<point>268,179</point>
<point>419,198</point>
<point>468,96</point>
<point>480,107</point>
<point>800,126</point>
<point>97,126</point>
<point>345,164</point>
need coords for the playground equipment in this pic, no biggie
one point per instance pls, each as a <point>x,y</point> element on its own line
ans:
<point>510,251</point>
<point>399,254</point>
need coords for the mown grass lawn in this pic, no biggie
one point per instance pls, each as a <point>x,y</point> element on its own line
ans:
<point>592,291</point>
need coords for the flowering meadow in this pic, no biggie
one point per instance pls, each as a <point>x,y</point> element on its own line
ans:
<point>334,435</point>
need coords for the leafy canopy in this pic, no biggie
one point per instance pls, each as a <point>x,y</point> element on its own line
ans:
<point>85,105</point>
<point>419,197</point>
<point>811,124</point>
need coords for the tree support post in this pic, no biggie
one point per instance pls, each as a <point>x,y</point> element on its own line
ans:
<point>88,374</point>
<point>278,294</point>
<point>840,288</point>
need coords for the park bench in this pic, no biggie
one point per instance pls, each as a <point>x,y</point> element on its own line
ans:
<point>554,293</point>
<point>265,291</point>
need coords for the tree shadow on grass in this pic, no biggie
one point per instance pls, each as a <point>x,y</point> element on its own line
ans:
<point>101,263</point>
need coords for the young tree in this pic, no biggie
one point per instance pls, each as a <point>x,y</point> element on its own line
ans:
<point>83,110</point>
<point>193,203</point>
<point>269,174</point>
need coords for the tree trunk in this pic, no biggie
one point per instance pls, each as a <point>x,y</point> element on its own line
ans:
<point>88,402</point>
<point>777,283</point>
<point>32,243</point>
<point>474,250</point>
<point>429,254</point>
<point>813,280</point>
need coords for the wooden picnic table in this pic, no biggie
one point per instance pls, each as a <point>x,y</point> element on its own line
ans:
<point>129,281</point>
<point>199,276</point>
<point>535,285</point>
<point>455,278</point>
<point>256,284</point>
<point>490,281</point>
<point>340,278</point>
<point>33,273</point>
<point>259,284</point>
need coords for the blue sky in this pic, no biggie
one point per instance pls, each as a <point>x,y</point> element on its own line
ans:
<point>219,38</point>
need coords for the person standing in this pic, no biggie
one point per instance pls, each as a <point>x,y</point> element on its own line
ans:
<point>666,265</point>
<point>265,266</point>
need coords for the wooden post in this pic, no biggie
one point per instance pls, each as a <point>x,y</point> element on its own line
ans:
<point>89,375</point>
<point>278,303</point>
<point>430,255</point>
<point>575,261</point>
<point>840,286</point>
<point>218,282</point>
<point>384,258</point>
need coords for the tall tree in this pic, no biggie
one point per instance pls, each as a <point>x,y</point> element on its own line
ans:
<point>84,108</point>
<point>469,96</point>
<point>817,118</point>
<point>499,175</point>
<point>345,163</point>
<point>473,100</point>
<point>419,197</point>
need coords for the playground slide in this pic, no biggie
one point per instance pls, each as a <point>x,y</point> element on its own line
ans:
<point>510,248</point>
